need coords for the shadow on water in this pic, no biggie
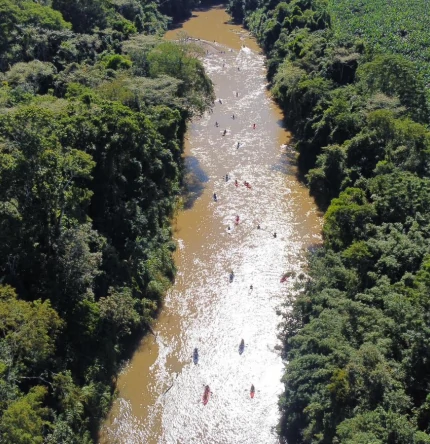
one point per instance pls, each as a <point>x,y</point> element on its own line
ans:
<point>290,165</point>
<point>129,348</point>
<point>287,164</point>
<point>301,163</point>
<point>204,7</point>
<point>316,246</point>
<point>194,181</point>
<point>283,166</point>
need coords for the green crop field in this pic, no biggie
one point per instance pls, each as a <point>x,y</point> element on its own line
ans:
<point>398,26</point>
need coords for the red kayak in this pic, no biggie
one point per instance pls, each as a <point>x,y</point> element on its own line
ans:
<point>206,395</point>
<point>252,391</point>
<point>284,278</point>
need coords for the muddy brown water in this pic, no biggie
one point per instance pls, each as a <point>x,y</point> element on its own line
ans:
<point>161,388</point>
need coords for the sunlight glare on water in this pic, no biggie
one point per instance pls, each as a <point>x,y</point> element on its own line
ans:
<point>160,392</point>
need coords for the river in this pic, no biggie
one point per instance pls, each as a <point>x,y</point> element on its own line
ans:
<point>161,389</point>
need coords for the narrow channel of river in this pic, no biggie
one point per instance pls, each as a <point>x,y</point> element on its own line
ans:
<point>160,391</point>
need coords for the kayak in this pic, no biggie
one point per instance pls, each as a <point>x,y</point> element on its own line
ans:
<point>252,392</point>
<point>241,347</point>
<point>206,395</point>
<point>196,356</point>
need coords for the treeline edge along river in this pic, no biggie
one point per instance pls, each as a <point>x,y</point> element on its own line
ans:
<point>236,244</point>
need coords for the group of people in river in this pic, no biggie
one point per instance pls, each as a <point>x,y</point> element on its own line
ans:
<point>246,183</point>
<point>237,218</point>
<point>254,125</point>
<point>227,177</point>
<point>207,390</point>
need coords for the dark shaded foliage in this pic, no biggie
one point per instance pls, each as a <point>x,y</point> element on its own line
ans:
<point>91,136</point>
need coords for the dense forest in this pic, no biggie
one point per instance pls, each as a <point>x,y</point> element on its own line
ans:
<point>395,26</point>
<point>93,110</point>
<point>357,332</point>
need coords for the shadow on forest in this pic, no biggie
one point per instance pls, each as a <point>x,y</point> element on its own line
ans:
<point>194,180</point>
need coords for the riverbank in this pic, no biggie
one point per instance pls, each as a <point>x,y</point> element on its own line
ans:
<point>356,337</point>
<point>92,120</point>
